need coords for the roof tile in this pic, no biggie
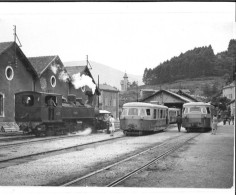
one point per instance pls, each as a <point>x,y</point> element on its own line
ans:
<point>4,46</point>
<point>41,62</point>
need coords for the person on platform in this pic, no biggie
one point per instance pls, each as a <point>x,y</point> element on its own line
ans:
<point>214,125</point>
<point>112,125</point>
<point>232,119</point>
<point>179,122</point>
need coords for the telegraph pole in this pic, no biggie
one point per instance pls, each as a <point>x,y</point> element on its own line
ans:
<point>98,90</point>
<point>137,91</point>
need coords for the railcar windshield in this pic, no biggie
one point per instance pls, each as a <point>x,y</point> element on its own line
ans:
<point>136,112</point>
<point>196,109</point>
<point>133,111</point>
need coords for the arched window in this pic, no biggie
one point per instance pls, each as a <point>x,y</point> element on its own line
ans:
<point>53,81</point>
<point>9,72</point>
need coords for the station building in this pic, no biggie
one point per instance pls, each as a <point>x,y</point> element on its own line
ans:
<point>169,99</point>
<point>109,99</point>
<point>16,74</point>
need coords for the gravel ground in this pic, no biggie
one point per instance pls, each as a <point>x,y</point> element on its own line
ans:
<point>206,162</point>
<point>64,166</point>
<point>36,147</point>
<point>208,159</point>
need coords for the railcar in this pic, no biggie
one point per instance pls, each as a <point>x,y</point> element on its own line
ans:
<point>173,113</point>
<point>197,116</point>
<point>139,118</point>
<point>34,115</point>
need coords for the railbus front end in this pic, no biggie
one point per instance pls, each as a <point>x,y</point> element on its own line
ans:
<point>197,116</point>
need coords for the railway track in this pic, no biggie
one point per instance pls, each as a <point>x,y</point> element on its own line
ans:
<point>122,170</point>
<point>32,140</point>
<point>22,159</point>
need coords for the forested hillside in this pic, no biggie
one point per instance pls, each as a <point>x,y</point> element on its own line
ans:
<point>199,62</point>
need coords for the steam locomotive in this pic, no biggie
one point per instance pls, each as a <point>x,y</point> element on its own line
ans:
<point>34,114</point>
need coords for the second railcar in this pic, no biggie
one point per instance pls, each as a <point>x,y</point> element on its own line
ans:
<point>139,117</point>
<point>197,116</point>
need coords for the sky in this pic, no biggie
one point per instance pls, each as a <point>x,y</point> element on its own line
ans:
<point>127,36</point>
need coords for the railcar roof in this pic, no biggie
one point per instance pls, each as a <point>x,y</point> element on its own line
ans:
<point>142,104</point>
<point>104,112</point>
<point>174,108</point>
<point>197,104</point>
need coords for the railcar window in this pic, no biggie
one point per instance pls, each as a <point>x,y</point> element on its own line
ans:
<point>133,111</point>
<point>208,110</point>
<point>28,100</point>
<point>158,113</point>
<point>195,109</point>
<point>125,112</point>
<point>204,110</point>
<point>142,112</point>
<point>154,114</point>
<point>148,112</point>
<point>161,114</point>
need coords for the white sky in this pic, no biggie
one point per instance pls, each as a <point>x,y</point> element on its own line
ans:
<point>126,36</point>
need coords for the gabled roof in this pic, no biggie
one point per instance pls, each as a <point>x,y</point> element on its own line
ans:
<point>107,87</point>
<point>182,93</point>
<point>4,46</point>
<point>41,63</point>
<point>170,93</point>
<point>231,85</point>
<point>75,69</point>
<point>232,101</point>
<point>81,69</point>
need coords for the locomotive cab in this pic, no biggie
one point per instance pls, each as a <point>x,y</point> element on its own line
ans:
<point>32,109</point>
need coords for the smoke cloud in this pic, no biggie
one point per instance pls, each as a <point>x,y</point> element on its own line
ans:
<point>87,131</point>
<point>62,74</point>
<point>80,81</point>
<point>54,68</point>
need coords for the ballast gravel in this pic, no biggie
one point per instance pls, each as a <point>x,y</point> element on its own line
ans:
<point>60,168</point>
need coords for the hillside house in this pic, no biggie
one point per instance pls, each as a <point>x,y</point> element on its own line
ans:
<point>229,92</point>
<point>109,99</point>
<point>16,74</point>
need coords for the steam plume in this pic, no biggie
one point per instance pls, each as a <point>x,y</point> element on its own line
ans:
<point>80,81</point>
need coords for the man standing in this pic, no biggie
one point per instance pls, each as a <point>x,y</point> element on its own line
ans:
<point>51,104</point>
<point>179,122</point>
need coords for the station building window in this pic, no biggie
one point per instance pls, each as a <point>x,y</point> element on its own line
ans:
<point>53,81</point>
<point>1,105</point>
<point>9,73</point>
